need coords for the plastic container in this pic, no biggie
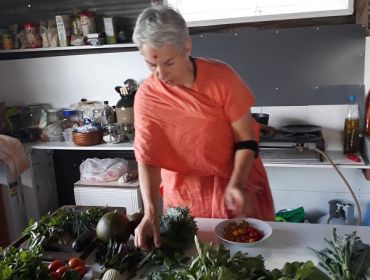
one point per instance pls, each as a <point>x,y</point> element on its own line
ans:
<point>351,127</point>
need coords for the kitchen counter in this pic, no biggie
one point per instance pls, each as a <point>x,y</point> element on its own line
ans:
<point>289,241</point>
<point>337,156</point>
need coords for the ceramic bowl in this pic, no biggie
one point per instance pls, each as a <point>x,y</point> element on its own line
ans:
<point>262,226</point>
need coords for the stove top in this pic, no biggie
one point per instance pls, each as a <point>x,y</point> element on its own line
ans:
<point>296,137</point>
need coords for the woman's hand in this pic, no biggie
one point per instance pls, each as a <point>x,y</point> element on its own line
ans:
<point>146,232</point>
<point>237,201</point>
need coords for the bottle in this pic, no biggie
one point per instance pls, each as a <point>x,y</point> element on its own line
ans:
<point>107,114</point>
<point>351,127</point>
<point>367,120</point>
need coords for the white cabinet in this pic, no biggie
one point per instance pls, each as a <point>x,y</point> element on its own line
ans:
<point>39,184</point>
<point>112,194</point>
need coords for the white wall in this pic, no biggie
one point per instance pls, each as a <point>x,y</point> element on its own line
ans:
<point>64,80</point>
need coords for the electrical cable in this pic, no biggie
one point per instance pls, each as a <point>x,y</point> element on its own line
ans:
<point>344,180</point>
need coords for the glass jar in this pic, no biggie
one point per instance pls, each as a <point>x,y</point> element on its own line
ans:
<point>71,117</point>
<point>32,35</point>
<point>112,133</point>
<point>52,116</point>
<point>7,41</point>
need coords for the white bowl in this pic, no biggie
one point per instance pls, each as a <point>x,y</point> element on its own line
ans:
<point>262,226</point>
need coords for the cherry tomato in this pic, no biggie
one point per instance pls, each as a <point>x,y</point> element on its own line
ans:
<point>54,265</point>
<point>55,275</point>
<point>75,262</point>
<point>62,269</point>
<point>81,270</point>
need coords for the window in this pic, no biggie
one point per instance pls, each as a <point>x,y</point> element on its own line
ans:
<point>213,12</point>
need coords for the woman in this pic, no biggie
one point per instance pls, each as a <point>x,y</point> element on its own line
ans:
<point>194,134</point>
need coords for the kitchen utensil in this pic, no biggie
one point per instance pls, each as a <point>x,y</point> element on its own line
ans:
<point>262,118</point>
<point>303,128</point>
<point>262,226</point>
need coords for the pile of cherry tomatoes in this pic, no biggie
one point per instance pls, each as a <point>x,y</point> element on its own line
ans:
<point>242,232</point>
<point>58,269</point>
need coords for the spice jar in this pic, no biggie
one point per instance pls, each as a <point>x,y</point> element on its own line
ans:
<point>33,35</point>
<point>7,41</point>
<point>87,23</point>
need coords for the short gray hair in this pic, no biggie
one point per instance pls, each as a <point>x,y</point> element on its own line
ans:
<point>160,25</point>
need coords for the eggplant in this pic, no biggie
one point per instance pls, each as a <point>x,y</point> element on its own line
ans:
<point>80,243</point>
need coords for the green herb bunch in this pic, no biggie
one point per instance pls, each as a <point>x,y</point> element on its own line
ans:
<point>53,227</point>
<point>177,230</point>
<point>23,264</point>
<point>346,257</point>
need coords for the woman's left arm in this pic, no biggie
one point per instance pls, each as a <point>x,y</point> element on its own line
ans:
<point>235,197</point>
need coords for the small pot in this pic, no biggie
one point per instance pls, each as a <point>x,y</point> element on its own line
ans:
<point>261,118</point>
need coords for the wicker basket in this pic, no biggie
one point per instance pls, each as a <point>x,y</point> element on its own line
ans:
<point>87,138</point>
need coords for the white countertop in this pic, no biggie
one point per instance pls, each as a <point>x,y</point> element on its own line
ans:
<point>288,242</point>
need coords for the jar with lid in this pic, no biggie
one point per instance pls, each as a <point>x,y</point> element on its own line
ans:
<point>7,41</point>
<point>124,106</point>
<point>87,23</point>
<point>70,117</point>
<point>51,116</point>
<point>32,35</point>
<point>112,133</point>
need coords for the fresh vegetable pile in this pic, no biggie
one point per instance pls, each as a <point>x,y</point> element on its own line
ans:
<point>74,270</point>
<point>54,227</point>
<point>23,264</point>
<point>216,262</point>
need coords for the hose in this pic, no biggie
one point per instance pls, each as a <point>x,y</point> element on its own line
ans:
<point>344,180</point>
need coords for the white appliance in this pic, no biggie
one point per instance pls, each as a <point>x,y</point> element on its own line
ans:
<point>12,202</point>
<point>112,194</point>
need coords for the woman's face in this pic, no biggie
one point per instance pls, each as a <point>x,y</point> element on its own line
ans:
<point>169,63</point>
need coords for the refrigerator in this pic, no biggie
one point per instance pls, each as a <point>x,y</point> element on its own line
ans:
<point>12,206</point>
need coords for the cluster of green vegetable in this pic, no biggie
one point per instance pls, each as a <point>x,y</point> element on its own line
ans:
<point>177,228</point>
<point>26,263</point>
<point>216,262</point>
<point>54,227</point>
<point>346,257</point>
<point>23,264</point>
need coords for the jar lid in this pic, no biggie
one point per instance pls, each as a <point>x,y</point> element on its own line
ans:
<point>69,113</point>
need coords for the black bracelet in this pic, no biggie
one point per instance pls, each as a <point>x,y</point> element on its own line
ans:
<point>250,145</point>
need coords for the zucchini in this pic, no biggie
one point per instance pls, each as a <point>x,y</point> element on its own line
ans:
<point>83,240</point>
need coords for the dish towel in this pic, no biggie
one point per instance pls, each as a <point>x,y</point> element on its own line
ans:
<point>12,154</point>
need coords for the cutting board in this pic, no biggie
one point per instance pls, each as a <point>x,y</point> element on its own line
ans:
<point>64,252</point>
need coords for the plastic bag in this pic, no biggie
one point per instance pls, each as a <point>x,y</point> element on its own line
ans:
<point>102,170</point>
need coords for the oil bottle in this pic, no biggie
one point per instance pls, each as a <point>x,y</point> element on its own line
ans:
<point>351,127</point>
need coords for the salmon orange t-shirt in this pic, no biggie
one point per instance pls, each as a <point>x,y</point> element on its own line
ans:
<point>187,133</point>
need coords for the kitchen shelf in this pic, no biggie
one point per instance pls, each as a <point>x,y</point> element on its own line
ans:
<point>59,51</point>
<point>337,156</point>
<point>126,146</point>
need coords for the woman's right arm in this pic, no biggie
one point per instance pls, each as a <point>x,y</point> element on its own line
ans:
<point>150,179</point>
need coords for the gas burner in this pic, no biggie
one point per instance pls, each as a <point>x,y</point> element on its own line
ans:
<point>294,136</point>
